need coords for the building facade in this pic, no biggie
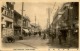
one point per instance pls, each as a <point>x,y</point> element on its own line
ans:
<point>26,25</point>
<point>20,23</point>
<point>11,21</point>
<point>26,22</point>
<point>17,24</point>
<point>67,18</point>
<point>7,16</point>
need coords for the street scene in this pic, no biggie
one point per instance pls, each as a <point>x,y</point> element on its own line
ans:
<point>40,25</point>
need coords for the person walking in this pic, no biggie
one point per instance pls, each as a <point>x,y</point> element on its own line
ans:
<point>60,37</point>
<point>39,33</point>
<point>44,36</point>
<point>64,34</point>
<point>53,36</point>
<point>29,34</point>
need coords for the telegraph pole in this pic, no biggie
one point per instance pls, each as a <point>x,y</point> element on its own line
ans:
<point>49,18</point>
<point>35,20</point>
<point>53,7</point>
<point>49,24</point>
<point>22,18</point>
<point>52,13</point>
<point>35,24</point>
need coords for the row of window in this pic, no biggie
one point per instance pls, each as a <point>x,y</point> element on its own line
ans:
<point>9,13</point>
<point>8,25</point>
<point>25,23</point>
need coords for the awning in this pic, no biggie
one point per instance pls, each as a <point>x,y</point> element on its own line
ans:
<point>26,30</point>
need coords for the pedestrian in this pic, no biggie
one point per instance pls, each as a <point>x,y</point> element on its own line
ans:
<point>39,33</point>
<point>64,34</point>
<point>44,36</point>
<point>29,34</point>
<point>53,36</point>
<point>20,37</point>
<point>50,37</point>
<point>60,37</point>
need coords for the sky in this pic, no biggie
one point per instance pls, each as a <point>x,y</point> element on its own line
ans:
<point>38,9</point>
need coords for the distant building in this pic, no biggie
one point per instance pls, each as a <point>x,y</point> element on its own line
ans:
<point>26,22</point>
<point>35,28</point>
<point>26,25</point>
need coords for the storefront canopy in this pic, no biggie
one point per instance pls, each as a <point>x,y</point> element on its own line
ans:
<point>26,30</point>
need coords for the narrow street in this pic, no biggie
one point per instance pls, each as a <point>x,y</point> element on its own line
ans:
<point>28,42</point>
<point>35,42</point>
<point>40,25</point>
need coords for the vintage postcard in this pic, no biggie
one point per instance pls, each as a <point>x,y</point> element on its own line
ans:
<point>44,25</point>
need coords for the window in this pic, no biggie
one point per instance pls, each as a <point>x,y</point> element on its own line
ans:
<point>2,9</point>
<point>5,12</point>
<point>2,18</point>
<point>64,8</point>
<point>11,14</point>
<point>8,24</point>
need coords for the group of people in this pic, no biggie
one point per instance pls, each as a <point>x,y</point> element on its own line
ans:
<point>51,36</point>
<point>62,35</point>
<point>39,33</point>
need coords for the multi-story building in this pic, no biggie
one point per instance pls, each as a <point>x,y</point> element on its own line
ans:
<point>26,25</point>
<point>17,24</point>
<point>26,22</point>
<point>7,16</point>
<point>67,17</point>
<point>11,21</point>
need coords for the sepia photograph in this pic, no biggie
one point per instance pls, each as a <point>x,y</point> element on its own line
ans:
<point>40,25</point>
